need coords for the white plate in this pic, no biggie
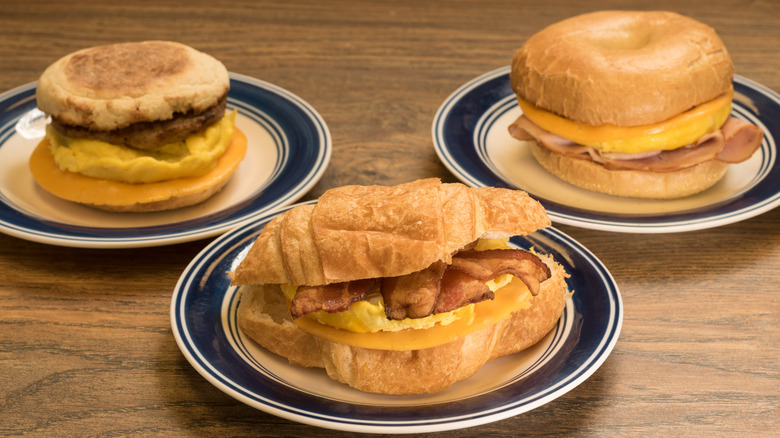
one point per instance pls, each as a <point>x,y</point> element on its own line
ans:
<point>289,147</point>
<point>203,318</point>
<point>471,138</point>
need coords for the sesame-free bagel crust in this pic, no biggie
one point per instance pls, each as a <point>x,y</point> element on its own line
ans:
<point>624,68</point>
<point>630,183</point>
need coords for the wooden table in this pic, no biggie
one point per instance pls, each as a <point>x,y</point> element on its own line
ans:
<point>86,347</point>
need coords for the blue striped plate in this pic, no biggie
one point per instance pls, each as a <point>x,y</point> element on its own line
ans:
<point>289,148</point>
<point>471,139</point>
<point>203,318</point>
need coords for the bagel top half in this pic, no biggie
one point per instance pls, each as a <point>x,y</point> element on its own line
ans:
<point>110,87</point>
<point>622,68</point>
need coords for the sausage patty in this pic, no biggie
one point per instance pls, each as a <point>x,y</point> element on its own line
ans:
<point>151,135</point>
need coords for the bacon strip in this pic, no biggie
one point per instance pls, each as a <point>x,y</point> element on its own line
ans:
<point>439,288</point>
<point>487,265</point>
<point>735,142</point>
<point>413,295</point>
<point>461,283</point>
<point>459,289</point>
<point>335,297</point>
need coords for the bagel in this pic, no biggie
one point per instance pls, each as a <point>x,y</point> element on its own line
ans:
<point>360,251</point>
<point>637,93</point>
<point>136,127</point>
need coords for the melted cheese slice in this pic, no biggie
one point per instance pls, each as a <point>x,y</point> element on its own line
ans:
<point>512,297</point>
<point>87,190</point>
<point>680,130</point>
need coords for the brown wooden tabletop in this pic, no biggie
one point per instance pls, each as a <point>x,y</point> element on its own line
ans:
<point>86,346</point>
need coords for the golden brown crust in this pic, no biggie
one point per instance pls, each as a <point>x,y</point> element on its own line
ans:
<point>264,317</point>
<point>379,231</point>
<point>528,326</point>
<point>624,68</point>
<point>506,213</point>
<point>107,69</point>
<point>110,87</point>
<point>357,232</point>
<point>630,183</point>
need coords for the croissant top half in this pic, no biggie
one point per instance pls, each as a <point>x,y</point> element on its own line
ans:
<point>357,232</point>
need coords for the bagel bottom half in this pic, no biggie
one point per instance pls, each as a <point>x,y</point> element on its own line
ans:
<point>264,316</point>
<point>630,183</point>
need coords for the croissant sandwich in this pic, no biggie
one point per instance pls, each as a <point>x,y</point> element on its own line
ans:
<point>400,290</point>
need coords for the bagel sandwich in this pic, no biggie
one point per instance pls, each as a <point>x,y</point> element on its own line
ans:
<point>401,289</point>
<point>628,103</point>
<point>136,127</point>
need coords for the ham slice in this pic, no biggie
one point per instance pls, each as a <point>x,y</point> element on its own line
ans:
<point>735,142</point>
<point>705,149</point>
<point>742,139</point>
<point>526,130</point>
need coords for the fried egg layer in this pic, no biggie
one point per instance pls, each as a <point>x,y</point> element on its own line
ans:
<point>678,131</point>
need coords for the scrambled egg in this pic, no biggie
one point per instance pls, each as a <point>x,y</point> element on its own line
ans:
<point>369,315</point>
<point>194,156</point>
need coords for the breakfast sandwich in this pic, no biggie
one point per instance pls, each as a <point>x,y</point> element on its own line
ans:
<point>630,103</point>
<point>401,289</point>
<point>137,127</point>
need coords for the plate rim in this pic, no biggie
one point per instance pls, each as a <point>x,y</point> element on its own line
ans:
<point>28,226</point>
<point>616,222</point>
<point>240,238</point>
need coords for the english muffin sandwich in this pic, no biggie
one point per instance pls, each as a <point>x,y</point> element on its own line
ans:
<point>136,127</point>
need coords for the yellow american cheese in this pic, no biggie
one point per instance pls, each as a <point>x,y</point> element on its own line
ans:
<point>365,324</point>
<point>84,189</point>
<point>680,130</point>
<point>512,297</point>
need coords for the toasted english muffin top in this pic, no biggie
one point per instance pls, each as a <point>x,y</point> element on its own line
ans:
<point>113,86</point>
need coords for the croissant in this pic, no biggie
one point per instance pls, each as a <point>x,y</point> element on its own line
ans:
<point>400,243</point>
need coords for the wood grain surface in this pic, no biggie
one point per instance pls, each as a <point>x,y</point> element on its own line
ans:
<point>86,347</point>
